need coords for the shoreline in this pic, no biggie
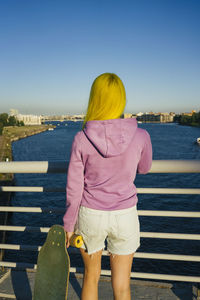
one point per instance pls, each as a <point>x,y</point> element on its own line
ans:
<point>177,123</point>
<point>192,125</point>
<point>14,133</point>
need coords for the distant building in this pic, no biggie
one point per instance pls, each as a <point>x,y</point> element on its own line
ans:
<point>139,114</point>
<point>156,117</point>
<point>149,117</point>
<point>78,117</point>
<point>29,119</point>
<point>189,114</point>
<point>63,117</point>
<point>127,116</point>
<point>13,112</point>
<point>167,117</point>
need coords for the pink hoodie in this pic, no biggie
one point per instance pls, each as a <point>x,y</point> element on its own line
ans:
<point>105,157</point>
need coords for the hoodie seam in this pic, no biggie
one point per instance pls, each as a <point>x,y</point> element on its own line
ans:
<point>81,143</point>
<point>106,141</point>
<point>121,135</point>
<point>95,147</point>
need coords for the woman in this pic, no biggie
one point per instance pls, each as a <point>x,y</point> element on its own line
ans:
<point>101,195</point>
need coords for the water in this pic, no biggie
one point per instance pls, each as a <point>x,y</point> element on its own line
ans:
<point>170,141</point>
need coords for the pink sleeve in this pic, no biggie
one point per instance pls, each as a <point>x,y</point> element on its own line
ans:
<point>75,184</point>
<point>145,162</point>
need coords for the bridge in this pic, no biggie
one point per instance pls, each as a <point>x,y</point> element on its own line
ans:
<point>144,285</point>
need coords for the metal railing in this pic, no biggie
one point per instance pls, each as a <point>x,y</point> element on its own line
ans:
<point>158,166</point>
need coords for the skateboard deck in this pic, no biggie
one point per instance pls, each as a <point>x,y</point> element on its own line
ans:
<point>53,266</point>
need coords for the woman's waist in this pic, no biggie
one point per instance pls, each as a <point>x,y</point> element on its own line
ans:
<point>107,212</point>
<point>107,202</point>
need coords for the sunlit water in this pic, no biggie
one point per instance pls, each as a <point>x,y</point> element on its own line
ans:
<point>170,141</point>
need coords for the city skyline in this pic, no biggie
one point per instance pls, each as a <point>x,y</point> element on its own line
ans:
<point>52,51</point>
<point>190,110</point>
<point>15,112</point>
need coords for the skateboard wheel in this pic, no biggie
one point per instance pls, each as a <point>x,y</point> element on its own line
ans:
<point>76,241</point>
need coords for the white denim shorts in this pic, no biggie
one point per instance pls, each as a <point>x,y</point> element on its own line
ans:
<point>120,228</point>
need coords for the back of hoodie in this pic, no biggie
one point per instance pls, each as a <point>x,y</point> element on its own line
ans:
<point>104,160</point>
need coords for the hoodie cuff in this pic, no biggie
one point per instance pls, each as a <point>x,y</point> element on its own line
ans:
<point>69,227</point>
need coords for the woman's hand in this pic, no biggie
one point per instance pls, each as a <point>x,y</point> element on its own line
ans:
<point>68,236</point>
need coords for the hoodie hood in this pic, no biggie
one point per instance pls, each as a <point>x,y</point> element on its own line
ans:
<point>111,137</point>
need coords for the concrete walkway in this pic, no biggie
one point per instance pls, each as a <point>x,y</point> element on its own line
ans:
<point>19,285</point>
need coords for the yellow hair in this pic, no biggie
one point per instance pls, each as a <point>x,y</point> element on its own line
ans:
<point>107,98</point>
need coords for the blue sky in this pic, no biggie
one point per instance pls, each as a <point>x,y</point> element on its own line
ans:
<point>51,51</point>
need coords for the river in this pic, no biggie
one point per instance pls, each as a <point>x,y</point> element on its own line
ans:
<point>170,141</point>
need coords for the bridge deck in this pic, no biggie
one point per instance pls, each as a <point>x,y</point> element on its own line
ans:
<point>16,284</point>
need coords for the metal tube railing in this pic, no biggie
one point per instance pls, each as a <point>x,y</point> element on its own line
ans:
<point>41,189</point>
<point>166,166</point>
<point>159,235</point>
<point>32,189</point>
<point>155,213</point>
<point>108,273</point>
<point>158,166</point>
<point>106,253</point>
<point>33,167</point>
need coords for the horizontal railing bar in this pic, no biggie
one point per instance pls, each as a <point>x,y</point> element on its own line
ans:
<point>32,209</point>
<point>108,272</point>
<point>20,247</point>
<point>41,189</point>
<point>34,167</point>
<point>168,191</point>
<point>163,213</point>
<point>106,253</point>
<point>24,228</point>
<point>175,166</point>
<point>31,189</point>
<point>162,277</point>
<point>20,265</point>
<point>144,255</point>
<point>158,166</point>
<point>7,296</point>
<point>167,256</point>
<point>159,235</point>
<point>156,213</point>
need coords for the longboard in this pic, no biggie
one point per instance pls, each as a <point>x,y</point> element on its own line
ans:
<point>53,266</point>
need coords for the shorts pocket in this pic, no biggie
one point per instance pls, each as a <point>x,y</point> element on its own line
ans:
<point>127,224</point>
<point>89,224</point>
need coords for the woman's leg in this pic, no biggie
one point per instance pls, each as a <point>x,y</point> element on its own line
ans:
<point>92,270</point>
<point>121,269</point>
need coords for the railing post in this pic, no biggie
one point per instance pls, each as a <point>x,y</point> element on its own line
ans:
<point>5,200</point>
<point>198,291</point>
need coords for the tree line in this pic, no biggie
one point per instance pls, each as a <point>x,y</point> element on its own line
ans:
<point>193,120</point>
<point>6,120</point>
